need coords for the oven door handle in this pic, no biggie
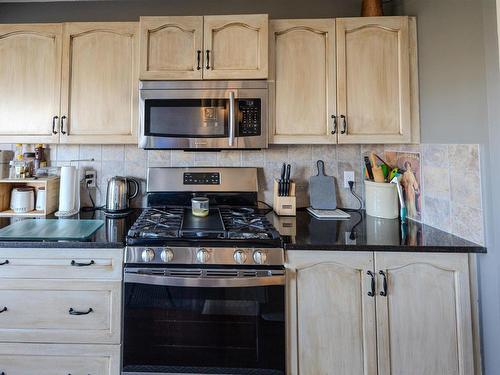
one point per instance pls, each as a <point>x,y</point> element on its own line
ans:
<point>204,282</point>
<point>232,122</point>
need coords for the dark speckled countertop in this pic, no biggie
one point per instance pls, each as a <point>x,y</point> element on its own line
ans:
<point>303,232</point>
<point>365,233</point>
<point>110,235</point>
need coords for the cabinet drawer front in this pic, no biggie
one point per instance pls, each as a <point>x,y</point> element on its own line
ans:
<point>56,311</point>
<point>61,263</point>
<point>48,359</point>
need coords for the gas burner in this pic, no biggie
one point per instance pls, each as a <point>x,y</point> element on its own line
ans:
<point>241,211</point>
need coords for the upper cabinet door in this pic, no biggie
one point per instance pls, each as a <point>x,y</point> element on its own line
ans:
<point>171,47</point>
<point>330,314</point>
<point>303,71</point>
<point>100,83</point>
<point>236,47</point>
<point>373,80</point>
<point>30,82</point>
<point>424,323</point>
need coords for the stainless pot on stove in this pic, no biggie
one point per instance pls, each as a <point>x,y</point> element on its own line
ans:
<point>119,193</point>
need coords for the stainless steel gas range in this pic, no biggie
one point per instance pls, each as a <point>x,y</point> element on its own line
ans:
<point>204,295</point>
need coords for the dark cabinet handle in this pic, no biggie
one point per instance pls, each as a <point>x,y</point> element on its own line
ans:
<point>334,130</point>
<point>371,293</point>
<point>76,264</point>
<point>75,312</point>
<point>4,309</point>
<point>383,293</point>
<point>208,59</point>
<point>198,67</point>
<point>54,119</point>
<point>4,263</point>
<point>62,124</point>
<point>344,124</point>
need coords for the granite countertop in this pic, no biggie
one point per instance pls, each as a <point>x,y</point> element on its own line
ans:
<point>366,233</point>
<point>303,232</point>
<point>110,235</point>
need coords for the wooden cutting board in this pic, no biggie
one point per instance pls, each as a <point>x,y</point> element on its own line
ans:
<point>322,189</point>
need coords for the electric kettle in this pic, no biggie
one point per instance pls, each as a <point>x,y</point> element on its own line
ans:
<point>118,194</point>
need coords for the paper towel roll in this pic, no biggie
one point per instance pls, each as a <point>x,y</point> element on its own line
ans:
<point>67,191</point>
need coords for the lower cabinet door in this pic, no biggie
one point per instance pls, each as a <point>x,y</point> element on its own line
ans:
<point>330,314</point>
<point>424,323</point>
<point>56,311</point>
<point>53,359</point>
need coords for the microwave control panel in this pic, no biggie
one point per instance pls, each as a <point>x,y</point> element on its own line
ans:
<point>249,117</point>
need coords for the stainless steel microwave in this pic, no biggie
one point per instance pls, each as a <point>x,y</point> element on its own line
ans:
<point>203,114</point>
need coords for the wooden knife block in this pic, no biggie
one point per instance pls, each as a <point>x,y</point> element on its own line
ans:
<point>285,206</point>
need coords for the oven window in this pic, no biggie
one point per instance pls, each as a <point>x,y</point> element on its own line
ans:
<point>191,118</point>
<point>204,330</point>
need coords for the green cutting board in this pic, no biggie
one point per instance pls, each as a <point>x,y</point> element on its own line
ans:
<point>50,229</point>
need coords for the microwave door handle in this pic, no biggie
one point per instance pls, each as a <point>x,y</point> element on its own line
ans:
<point>231,119</point>
<point>203,282</point>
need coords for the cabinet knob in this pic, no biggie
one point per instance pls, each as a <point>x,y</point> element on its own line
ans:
<point>72,311</point>
<point>4,262</point>
<point>371,293</point>
<point>334,129</point>
<point>208,59</point>
<point>62,124</point>
<point>3,310</point>
<point>383,293</point>
<point>344,124</point>
<point>54,119</point>
<point>198,58</point>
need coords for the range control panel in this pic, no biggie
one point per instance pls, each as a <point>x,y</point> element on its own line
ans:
<point>198,178</point>
<point>249,117</point>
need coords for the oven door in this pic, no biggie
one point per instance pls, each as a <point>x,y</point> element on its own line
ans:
<point>214,118</point>
<point>204,321</point>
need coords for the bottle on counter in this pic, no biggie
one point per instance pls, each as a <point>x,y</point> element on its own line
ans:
<point>39,157</point>
<point>29,160</point>
<point>19,167</point>
<point>18,150</point>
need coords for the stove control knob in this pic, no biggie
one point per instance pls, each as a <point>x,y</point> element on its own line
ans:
<point>167,255</point>
<point>202,255</point>
<point>239,256</point>
<point>148,255</point>
<point>260,257</point>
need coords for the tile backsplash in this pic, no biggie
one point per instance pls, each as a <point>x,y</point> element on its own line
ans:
<point>451,199</point>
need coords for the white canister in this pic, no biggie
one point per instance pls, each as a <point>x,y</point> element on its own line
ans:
<point>22,200</point>
<point>40,199</point>
<point>381,200</point>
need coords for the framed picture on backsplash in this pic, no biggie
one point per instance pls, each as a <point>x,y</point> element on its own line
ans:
<point>411,180</point>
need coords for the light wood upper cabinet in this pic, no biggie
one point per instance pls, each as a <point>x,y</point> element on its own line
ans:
<point>30,79</point>
<point>424,323</point>
<point>237,47</point>
<point>171,47</point>
<point>100,83</point>
<point>373,80</point>
<point>302,72</point>
<point>331,318</point>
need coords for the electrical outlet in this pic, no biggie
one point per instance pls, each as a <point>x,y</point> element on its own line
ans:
<point>90,178</point>
<point>348,176</point>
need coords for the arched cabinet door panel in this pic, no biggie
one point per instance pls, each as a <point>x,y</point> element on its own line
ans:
<point>236,47</point>
<point>331,317</point>
<point>30,82</point>
<point>374,80</point>
<point>100,83</point>
<point>302,67</point>
<point>171,47</point>
<point>424,324</point>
